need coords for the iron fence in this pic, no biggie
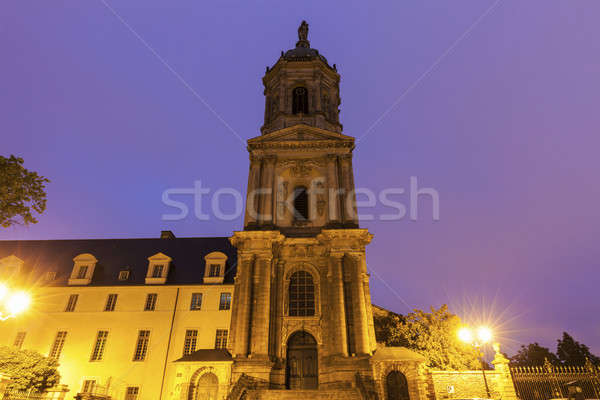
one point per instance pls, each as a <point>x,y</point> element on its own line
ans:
<point>21,395</point>
<point>551,382</point>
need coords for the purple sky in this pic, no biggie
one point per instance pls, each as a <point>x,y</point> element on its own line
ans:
<point>505,127</point>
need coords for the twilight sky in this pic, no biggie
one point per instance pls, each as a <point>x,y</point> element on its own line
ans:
<point>495,107</point>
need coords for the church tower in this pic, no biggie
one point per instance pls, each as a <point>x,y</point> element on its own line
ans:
<point>301,316</point>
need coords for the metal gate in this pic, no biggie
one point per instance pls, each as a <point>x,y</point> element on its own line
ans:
<point>551,382</point>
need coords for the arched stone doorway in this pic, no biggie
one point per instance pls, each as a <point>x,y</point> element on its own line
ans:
<point>302,361</point>
<point>205,388</point>
<point>396,386</point>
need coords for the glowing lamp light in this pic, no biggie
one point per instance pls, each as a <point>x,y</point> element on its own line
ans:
<point>484,334</point>
<point>17,303</point>
<point>465,334</point>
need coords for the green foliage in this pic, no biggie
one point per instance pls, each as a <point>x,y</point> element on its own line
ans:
<point>432,334</point>
<point>533,355</point>
<point>571,352</point>
<point>28,369</point>
<point>21,193</point>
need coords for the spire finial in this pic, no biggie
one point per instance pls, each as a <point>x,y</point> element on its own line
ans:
<point>303,35</point>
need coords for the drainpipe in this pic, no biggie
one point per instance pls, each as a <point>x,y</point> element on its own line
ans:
<point>162,383</point>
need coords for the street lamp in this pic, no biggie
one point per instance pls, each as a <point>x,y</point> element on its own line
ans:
<point>12,302</point>
<point>481,336</point>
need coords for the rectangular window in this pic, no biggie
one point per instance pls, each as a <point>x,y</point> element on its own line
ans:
<point>98,350</point>
<point>189,345</point>
<point>196,303</point>
<point>225,302</point>
<point>58,344</point>
<point>214,271</point>
<point>221,339</point>
<point>123,275</point>
<point>157,271</point>
<point>132,393</point>
<point>111,302</point>
<point>82,272</point>
<point>19,339</point>
<point>141,348</point>
<point>50,276</point>
<point>150,302</point>
<point>88,386</point>
<point>71,303</point>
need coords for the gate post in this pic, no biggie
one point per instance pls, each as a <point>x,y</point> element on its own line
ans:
<point>506,386</point>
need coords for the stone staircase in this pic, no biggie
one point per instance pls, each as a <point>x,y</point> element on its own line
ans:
<point>328,394</point>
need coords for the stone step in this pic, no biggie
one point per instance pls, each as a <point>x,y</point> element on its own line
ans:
<point>328,394</point>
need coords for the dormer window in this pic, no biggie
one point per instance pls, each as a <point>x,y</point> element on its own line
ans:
<point>82,272</point>
<point>10,267</point>
<point>83,269</point>
<point>123,275</point>
<point>214,271</point>
<point>158,269</point>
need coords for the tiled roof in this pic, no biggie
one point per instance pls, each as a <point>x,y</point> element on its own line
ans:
<point>207,355</point>
<point>114,255</point>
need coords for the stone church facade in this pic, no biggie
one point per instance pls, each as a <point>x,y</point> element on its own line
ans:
<point>280,310</point>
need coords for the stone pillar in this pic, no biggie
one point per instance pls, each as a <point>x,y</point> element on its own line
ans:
<point>349,203</point>
<point>506,386</point>
<point>242,301</point>
<point>361,327</point>
<point>267,183</point>
<point>261,306</point>
<point>370,321</point>
<point>338,311</point>
<point>252,200</point>
<point>333,187</point>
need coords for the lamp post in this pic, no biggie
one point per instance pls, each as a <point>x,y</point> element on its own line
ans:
<point>12,302</point>
<point>477,339</point>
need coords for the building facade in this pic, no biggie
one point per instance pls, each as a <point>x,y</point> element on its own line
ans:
<point>281,309</point>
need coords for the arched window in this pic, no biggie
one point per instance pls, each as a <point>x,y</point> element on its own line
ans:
<point>397,386</point>
<point>300,100</point>
<point>302,294</point>
<point>300,204</point>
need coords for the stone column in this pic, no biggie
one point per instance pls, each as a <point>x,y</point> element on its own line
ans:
<point>276,308</point>
<point>333,187</point>
<point>261,306</point>
<point>349,203</point>
<point>267,183</point>
<point>361,327</point>
<point>338,311</point>
<point>252,201</point>
<point>506,386</point>
<point>242,301</point>
<point>370,321</point>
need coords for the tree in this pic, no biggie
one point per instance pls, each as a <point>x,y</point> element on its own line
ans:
<point>21,193</point>
<point>571,352</point>
<point>533,355</point>
<point>432,334</point>
<point>385,324</point>
<point>28,369</point>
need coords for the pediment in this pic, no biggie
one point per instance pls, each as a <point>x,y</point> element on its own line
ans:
<point>11,260</point>
<point>159,257</point>
<point>300,133</point>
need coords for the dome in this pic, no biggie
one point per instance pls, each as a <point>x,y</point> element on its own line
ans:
<point>301,53</point>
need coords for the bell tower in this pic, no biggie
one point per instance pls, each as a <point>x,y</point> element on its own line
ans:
<point>301,178</point>
<point>301,316</point>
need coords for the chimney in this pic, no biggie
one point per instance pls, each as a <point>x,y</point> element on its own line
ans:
<point>167,235</point>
